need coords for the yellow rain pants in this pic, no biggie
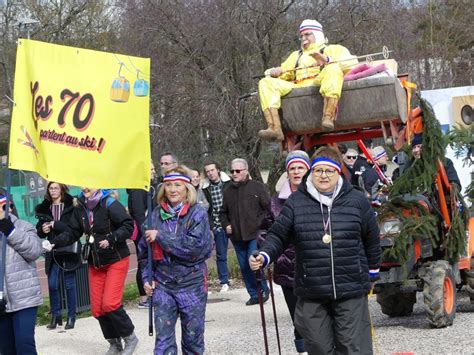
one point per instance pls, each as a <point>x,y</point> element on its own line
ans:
<point>330,79</point>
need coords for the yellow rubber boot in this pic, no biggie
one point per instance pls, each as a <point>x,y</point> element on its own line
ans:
<point>329,113</point>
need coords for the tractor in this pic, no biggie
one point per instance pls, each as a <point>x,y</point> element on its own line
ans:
<point>380,107</point>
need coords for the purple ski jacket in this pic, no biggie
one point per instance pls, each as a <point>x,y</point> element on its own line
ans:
<point>186,243</point>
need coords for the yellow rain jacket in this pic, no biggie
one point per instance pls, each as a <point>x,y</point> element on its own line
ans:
<point>330,78</point>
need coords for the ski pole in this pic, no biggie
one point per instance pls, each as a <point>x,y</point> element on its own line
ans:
<point>270,276</point>
<point>259,277</point>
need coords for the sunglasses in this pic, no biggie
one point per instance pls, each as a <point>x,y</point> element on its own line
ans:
<point>351,156</point>
<point>4,207</point>
<point>236,171</point>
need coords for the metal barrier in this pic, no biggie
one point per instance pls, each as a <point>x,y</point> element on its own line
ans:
<point>83,303</point>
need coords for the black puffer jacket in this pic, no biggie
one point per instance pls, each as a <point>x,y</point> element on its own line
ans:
<point>328,271</point>
<point>110,221</point>
<point>43,214</point>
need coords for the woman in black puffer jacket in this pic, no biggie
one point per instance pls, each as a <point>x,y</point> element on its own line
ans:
<point>53,216</point>
<point>337,245</point>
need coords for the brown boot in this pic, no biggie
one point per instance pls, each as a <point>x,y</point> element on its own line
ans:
<point>277,125</point>
<point>273,132</point>
<point>329,113</point>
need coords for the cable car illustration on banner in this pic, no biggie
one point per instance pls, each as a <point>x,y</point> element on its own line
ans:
<point>141,86</point>
<point>120,90</point>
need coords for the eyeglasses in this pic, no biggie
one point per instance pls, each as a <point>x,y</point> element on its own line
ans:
<point>236,171</point>
<point>351,156</point>
<point>166,163</point>
<point>328,172</point>
<point>54,188</point>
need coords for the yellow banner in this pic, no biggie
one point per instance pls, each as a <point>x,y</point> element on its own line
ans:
<point>81,117</point>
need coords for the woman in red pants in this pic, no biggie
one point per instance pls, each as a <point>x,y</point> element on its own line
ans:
<point>107,227</point>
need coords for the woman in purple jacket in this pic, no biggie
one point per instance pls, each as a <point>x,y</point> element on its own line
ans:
<point>297,164</point>
<point>181,242</point>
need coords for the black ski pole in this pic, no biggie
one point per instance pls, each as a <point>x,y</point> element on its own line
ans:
<point>259,277</point>
<point>150,266</point>
<point>270,281</point>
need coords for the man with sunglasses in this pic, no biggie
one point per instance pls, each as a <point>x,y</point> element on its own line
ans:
<point>244,207</point>
<point>337,245</point>
<point>350,157</point>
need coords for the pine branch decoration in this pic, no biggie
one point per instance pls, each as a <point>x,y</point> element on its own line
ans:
<point>419,177</point>
<point>455,240</point>
<point>419,224</point>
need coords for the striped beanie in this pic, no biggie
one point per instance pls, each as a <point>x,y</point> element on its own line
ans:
<point>316,28</point>
<point>297,156</point>
<point>378,152</point>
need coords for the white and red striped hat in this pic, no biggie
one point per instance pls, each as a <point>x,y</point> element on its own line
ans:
<point>378,152</point>
<point>316,28</point>
<point>297,156</point>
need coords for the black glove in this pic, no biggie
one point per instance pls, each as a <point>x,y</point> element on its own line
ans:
<point>6,226</point>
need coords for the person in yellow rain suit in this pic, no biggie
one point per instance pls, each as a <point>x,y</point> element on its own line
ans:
<point>316,57</point>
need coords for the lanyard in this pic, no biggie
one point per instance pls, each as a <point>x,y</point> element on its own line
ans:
<point>327,238</point>
<point>326,224</point>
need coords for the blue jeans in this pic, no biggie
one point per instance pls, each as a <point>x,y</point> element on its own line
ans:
<point>53,285</point>
<point>243,250</point>
<point>17,331</point>
<point>222,244</point>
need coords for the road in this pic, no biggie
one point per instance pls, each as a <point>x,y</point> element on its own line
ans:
<point>233,328</point>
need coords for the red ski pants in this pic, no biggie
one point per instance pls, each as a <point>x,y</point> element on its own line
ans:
<point>106,286</point>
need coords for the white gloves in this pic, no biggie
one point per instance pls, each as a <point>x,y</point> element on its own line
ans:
<point>47,246</point>
<point>273,72</point>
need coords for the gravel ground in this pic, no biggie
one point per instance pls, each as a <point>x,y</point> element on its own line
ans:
<point>233,328</point>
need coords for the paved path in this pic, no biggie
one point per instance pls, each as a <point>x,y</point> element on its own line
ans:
<point>233,328</point>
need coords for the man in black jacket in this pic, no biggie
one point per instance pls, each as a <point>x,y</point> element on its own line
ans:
<point>245,205</point>
<point>336,239</point>
<point>213,189</point>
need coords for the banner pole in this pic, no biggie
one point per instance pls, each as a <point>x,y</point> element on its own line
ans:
<point>150,264</point>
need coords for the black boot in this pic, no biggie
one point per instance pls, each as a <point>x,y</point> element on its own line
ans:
<point>121,322</point>
<point>55,320</point>
<point>70,323</point>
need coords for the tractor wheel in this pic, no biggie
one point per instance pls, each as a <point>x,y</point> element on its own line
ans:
<point>439,294</point>
<point>397,305</point>
<point>470,281</point>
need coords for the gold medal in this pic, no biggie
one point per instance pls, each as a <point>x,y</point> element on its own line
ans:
<point>326,238</point>
<point>91,239</point>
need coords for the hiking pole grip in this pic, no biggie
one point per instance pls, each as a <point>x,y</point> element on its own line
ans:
<point>259,277</point>
<point>258,273</point>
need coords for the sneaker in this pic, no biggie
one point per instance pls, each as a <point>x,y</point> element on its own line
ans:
<point>224,288</point>
<point>143,305</point>
<point>251,301</point>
